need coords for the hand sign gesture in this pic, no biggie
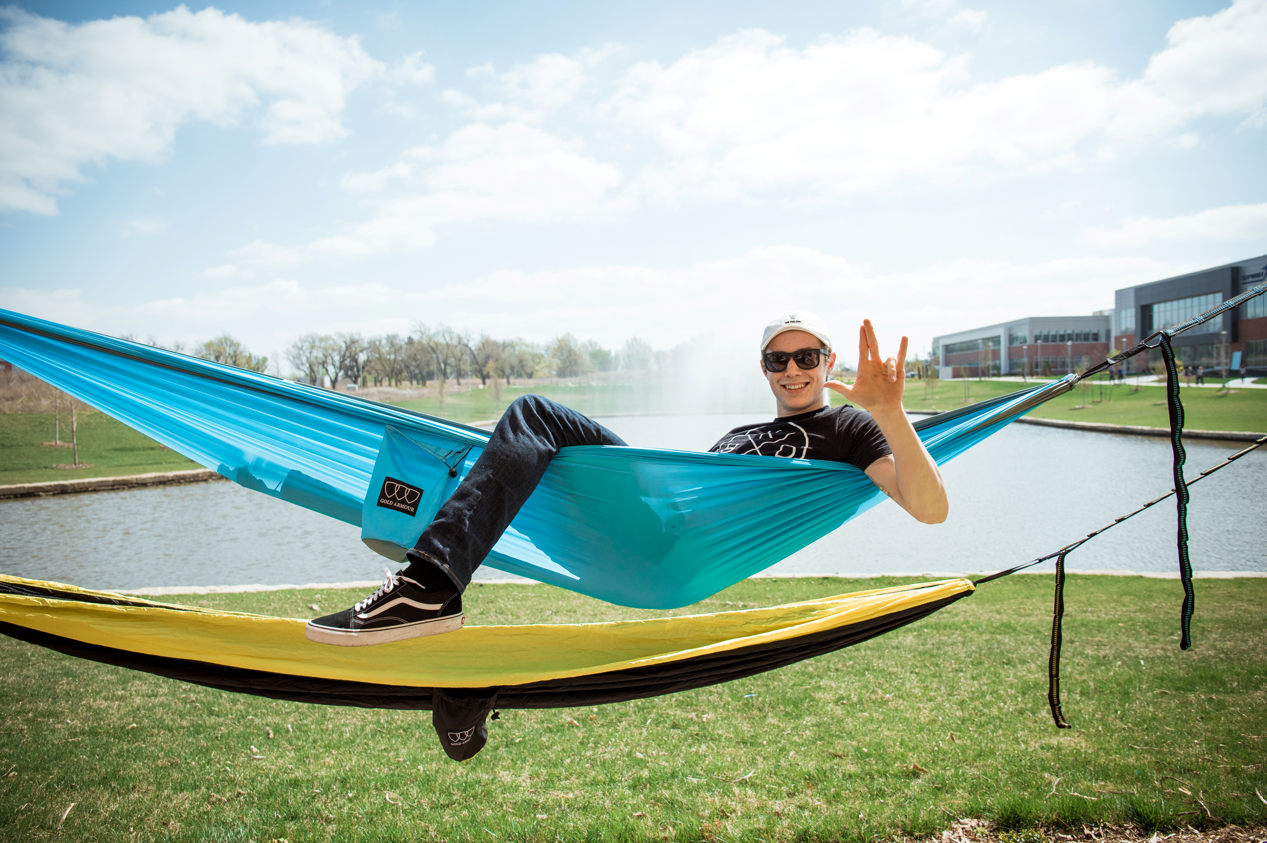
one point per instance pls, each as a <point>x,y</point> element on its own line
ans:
<point>880,383</point>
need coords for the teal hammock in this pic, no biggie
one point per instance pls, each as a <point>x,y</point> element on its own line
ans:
<point>652,529</point>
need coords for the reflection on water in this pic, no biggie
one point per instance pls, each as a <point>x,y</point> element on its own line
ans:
<point>1020,494</point>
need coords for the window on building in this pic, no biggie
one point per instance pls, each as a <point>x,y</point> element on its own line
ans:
<point>1255,352</point>
<point>1016,339</point>
<point>1126,320</point>
<point>1168,314</point>
<point>1255,308</point>
<point>971,345</point>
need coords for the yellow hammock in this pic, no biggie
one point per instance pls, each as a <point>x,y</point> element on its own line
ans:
<point>463,675</point>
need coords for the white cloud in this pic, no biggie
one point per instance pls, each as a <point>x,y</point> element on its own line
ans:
<point>529,91</point>
<point>863,111</point>
<point>1212,65</point>
<point>142,226</point>
<point>663,305</point>
<point>376,180</point>
<point>846,115</point>
<point>480,172</point>
<point>224,270</point>
<point>610,303</point>
<point>413,70</point>
<point>1230,222</point>
<point>548,81</point>
<point>262,253</point>
<point>118,89</point>
<point>954,16</point>
<point>968,18</point>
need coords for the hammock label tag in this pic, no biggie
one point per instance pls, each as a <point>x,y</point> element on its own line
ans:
<point>399,496</point>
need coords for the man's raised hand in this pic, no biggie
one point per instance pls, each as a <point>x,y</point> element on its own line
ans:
<point>880,383</point>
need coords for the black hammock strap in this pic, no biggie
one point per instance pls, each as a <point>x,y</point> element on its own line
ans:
<point>1175,407</point>
<point>1058,610</point>
<point>1161,341</point>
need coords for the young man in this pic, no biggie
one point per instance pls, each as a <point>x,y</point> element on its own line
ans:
<point>796,358</point>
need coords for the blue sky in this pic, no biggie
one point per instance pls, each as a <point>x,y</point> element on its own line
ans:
<point>670,171</point>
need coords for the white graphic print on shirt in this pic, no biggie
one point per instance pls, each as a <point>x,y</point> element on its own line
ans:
<point>767,443</point>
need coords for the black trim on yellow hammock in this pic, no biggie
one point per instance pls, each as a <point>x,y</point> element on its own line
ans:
<point>698,660</point>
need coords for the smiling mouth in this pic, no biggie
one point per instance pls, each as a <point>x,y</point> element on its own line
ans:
<point>795,387</point>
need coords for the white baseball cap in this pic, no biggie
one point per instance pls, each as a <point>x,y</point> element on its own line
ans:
<point>798,320</point>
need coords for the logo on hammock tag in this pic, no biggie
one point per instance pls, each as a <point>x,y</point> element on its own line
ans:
<point>400,496</point>
<point>460,738</point>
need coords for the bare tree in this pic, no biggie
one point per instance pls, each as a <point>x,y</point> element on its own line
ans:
<point>446,349</point>
<point>307,354</point>
<point>482,352</point>
<point>351,356</point>
<point>225,349</point>
<point>331,351</point>
<point>417,361</point>
<point>384,359</point>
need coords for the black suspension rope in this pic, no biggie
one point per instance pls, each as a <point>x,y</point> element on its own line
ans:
<point>1058,609</point>
<point>1175,408</point>
<point>1057,636</point>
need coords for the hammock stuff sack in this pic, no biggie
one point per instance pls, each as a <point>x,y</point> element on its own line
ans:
<point>463,675</point>
<point>653,529</point>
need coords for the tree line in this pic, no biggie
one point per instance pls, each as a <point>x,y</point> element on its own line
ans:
<point>443,354</point>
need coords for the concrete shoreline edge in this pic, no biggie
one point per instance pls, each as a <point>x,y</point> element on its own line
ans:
<point>166,590</point>
<point>1133,430</point>
<point>106,484</point>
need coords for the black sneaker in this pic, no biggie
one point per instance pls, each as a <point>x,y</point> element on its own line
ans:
<point>400,609</point>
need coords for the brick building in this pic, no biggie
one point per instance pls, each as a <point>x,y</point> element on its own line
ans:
<point>1235,337</point>
<point>1033,346</point>
<point>1053,345</point>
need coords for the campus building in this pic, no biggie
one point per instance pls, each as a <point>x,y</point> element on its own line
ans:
<point>1056,345</point>
<point>1236,337</point>
<point>1037,345</point>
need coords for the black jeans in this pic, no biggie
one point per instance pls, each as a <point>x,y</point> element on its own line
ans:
<point>525,440</point>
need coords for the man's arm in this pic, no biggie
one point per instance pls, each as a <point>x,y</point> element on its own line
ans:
<point>909,476</point>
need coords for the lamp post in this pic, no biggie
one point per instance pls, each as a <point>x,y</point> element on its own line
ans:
<point>1223,353</point>
<point>1069,357</point>
<point>1038,363</point>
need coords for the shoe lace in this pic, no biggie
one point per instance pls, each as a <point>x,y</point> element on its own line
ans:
<point>390,581</point>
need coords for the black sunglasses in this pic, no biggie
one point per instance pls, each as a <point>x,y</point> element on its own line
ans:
<point>806,358</point>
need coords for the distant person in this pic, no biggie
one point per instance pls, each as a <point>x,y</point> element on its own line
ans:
<point>1201,376</point>
<point>796,358</point>
<point>1244,371</point>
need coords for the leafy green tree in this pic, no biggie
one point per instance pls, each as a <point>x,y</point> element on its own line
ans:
<point>566,357</point>
<point>636,355</point>
<point>600,359</point>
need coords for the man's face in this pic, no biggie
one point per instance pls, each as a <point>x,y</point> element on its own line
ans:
<point>798,390</point>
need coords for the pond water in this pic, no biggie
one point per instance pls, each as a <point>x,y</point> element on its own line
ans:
<point>1021,494</point>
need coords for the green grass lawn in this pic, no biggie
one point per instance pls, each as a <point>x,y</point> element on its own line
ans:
<point>1204,409</point>
<point>942,719</point>
<point>110,447</point>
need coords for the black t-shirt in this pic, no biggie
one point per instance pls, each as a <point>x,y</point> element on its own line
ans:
<point>843,434</point>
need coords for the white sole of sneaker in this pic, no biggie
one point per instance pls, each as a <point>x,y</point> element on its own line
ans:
<point>368,638</point>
